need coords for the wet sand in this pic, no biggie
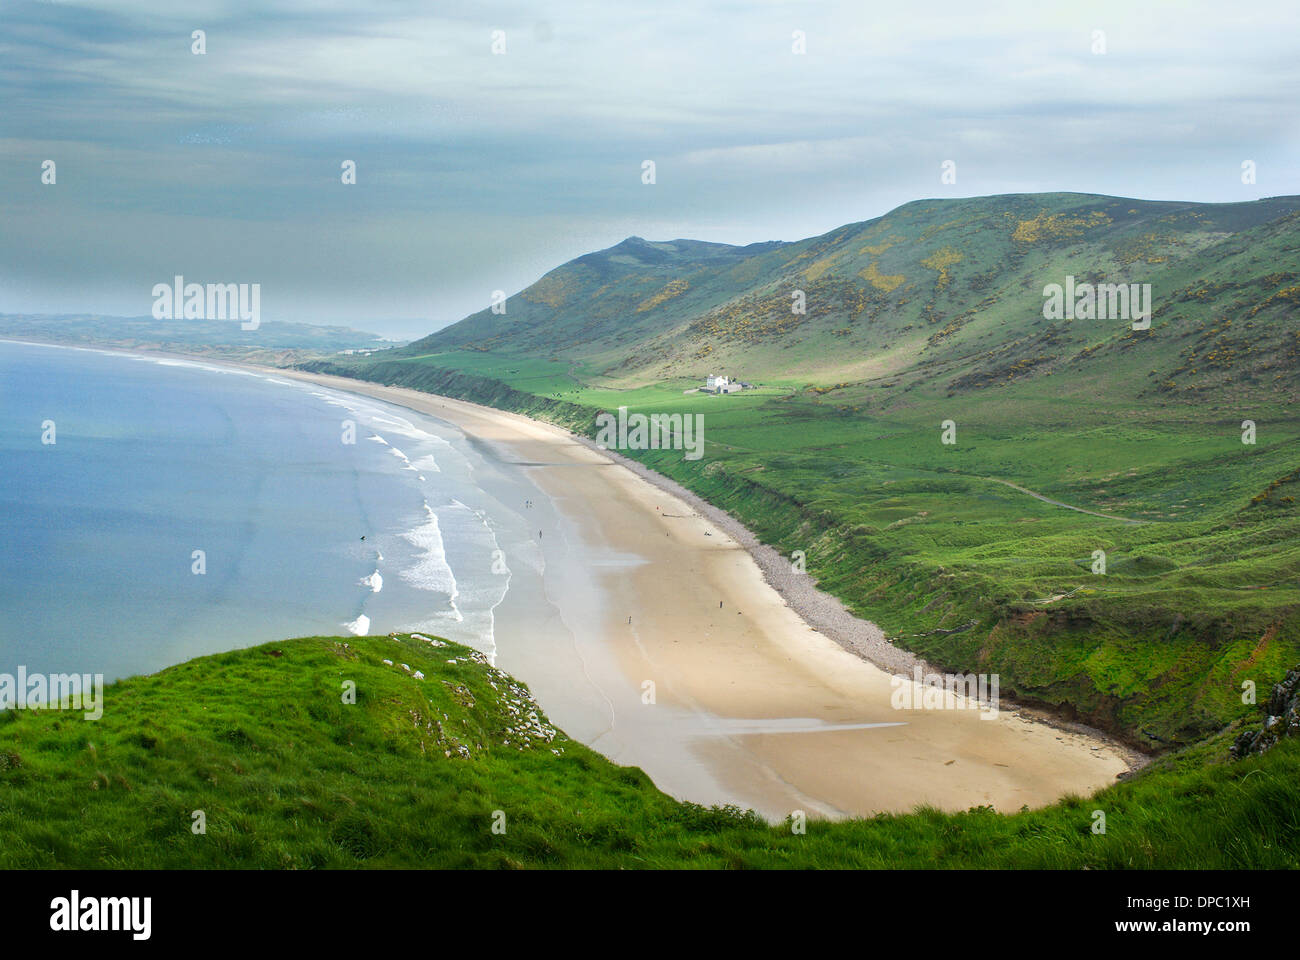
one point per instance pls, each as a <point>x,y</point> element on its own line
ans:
<point>751,705</point>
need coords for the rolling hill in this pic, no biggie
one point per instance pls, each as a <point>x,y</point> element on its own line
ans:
<point>948,291</point>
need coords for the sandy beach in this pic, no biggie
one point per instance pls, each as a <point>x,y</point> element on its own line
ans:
<point>751,705</point>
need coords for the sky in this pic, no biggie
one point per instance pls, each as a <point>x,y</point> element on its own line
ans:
<point>479,170</point>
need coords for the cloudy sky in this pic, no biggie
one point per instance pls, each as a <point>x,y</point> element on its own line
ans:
<point>479,171</point>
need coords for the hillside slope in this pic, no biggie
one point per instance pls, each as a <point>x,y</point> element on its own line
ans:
<point>934,284</point>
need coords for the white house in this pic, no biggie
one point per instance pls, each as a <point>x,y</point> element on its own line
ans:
<point>716,384</point>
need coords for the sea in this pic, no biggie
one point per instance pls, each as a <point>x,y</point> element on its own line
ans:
<point>156,509</point>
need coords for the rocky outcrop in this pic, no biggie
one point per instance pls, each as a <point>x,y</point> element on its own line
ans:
<point>1282,718</point>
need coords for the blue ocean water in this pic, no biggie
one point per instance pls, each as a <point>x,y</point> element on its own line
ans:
<point>155,459</point>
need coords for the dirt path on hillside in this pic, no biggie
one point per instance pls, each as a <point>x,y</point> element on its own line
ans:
<point>1058,503</point>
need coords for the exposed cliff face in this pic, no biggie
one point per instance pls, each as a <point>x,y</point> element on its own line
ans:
<point>1282,718</point>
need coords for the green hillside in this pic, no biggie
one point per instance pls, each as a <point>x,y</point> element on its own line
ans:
<point>950,287</point>
<point>934,313</point>
<point>438,747</point>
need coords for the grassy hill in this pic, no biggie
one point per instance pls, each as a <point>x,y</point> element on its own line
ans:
<point>414,772</point>
<point>944,288</point>
<point>969,552</point>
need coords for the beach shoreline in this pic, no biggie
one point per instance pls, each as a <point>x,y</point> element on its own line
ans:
<point>770,693</point>
<point>828,615</point>
<point>819,611</point>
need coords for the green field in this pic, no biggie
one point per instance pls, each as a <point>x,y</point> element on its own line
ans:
<point>417,771</point>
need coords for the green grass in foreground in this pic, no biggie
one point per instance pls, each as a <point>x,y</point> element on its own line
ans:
<point>410,775</point>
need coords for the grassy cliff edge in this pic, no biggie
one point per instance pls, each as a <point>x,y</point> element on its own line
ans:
<point>439,748</point>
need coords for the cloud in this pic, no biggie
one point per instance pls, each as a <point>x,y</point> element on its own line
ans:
<point>478,172</point>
